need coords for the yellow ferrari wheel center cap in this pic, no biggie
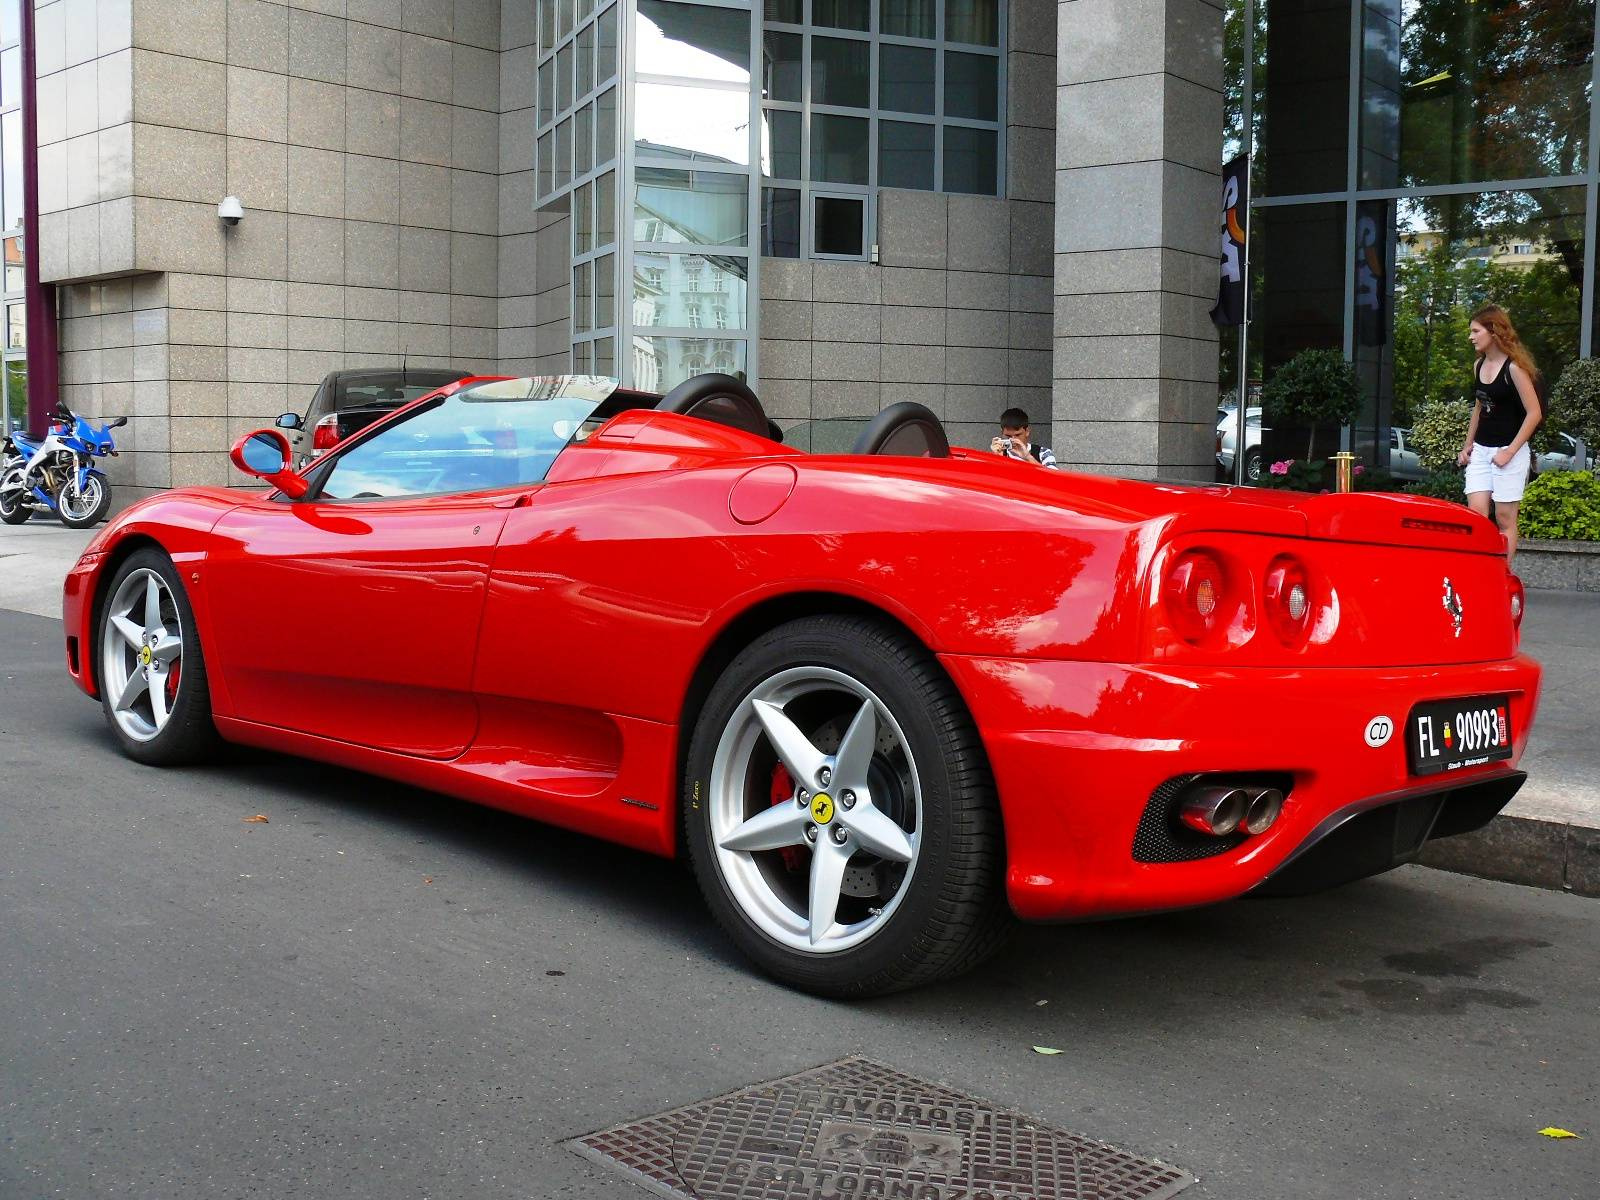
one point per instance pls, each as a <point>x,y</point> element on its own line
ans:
<point>822,808</point>
<point>144,655</point>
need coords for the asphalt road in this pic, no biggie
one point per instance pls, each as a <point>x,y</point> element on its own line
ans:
<point>383,993</point>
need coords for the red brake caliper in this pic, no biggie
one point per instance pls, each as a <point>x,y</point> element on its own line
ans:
<point>171,684</point>
<point>783,793</point>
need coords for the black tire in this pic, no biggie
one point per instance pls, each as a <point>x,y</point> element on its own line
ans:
<point>12,510</point>
<point>96,515</point>
<point>188,736</point>
<point>951,912</point>
<point>1252,466</point>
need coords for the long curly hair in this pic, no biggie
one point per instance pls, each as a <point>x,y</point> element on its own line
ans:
<point>1498,325</point>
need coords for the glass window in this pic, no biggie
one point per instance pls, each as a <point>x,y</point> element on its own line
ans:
<point>605,357</point>
<point>905,79</point>
<point>839,149</point>
<point>11,76</point>
<point>694,122</point>
<point>563,154</point>
<point>13,252</point>
<point>790,12</point>
<point>606,44</point>
<point>780,222</point>
<point>582,220</point>
<point>780,144</point>
<point>976,22</point>
<point>686,291</point>
<point>583,145</point>
<point>909,18</point>
<point>969,160</point>
<point>661,363</point>
<point>694,41</point>
<point>605,126</point>
<point>583,358</point>
<point>547,164</point>
<point>971,86</point>
<point>586,60</point>
<point>605,291</point>
<point>841,14</point>
<point>564,77</point>
<point>839,225</point>
<point>1480,93</point>
<point>563,18</point>
<point>16,327</point>
<point>547,24</point>
<point>471,441</point>
<point>582,275</point>
<point>780,77</point>
<point>605,209</point>
<point>841,72</point>
<point>905,155</point>
<point>1304,106</point>
<point>547,92</point>
<point>702,208</point>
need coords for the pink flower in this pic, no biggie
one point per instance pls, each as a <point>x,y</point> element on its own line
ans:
<point>1282,468</point>
<point>1360,470</point>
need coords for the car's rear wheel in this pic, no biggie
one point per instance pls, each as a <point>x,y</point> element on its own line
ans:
<point>153,685</point>
<point>839,812</point>
<point>1253,463</point>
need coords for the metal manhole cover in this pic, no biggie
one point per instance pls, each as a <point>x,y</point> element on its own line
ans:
<point>856,1129</point>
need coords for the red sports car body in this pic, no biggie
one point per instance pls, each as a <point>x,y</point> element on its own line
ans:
<point>1089,696</point>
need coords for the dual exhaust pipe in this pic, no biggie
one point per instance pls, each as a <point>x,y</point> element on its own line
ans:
<point>1221,811</point>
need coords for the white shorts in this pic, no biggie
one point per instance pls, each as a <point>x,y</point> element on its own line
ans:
<point>1505,483</point>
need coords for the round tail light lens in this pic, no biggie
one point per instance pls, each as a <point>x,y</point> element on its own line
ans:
<point>1288,598</point>
<point>1196,587</point>
<point>1518,601</point>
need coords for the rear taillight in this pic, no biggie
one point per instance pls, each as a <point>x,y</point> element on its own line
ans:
<point>1196,595</point>
<point>325,434</point>
<point>1517,599</point>
<point>1288,599</point>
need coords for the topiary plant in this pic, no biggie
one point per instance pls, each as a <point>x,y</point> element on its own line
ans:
<point>1575,402</point>
<point>1441,485</point>
<point>1561,504</point>
<point>1438,430</point>
<point>1315,387</point>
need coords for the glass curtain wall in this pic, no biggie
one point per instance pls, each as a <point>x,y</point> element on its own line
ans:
<point>14,403</point>
<point>1414,159</point>
<point>690,188</point>
<point>579,67</point>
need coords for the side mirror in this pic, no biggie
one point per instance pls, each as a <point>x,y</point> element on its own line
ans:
<point>265,454</point>
<point>288,421</point>
<point>118,423</point>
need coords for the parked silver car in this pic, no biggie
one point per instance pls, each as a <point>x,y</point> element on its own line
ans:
<point>1564,455</point>
<point>1228,439</point>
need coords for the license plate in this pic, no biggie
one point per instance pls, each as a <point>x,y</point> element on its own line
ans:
<point>1450,735</point>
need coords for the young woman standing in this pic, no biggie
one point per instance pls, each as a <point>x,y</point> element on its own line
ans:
<point>1505,412</point>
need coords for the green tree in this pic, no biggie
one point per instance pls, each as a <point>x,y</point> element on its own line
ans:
<point>1315,387</point>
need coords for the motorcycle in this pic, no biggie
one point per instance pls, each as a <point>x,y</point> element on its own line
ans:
<point>57,474</point>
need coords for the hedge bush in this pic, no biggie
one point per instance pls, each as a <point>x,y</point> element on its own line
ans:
<point>1315,387</point>
<point>1575,402</point>
<point>1441,485</point>
<point>1438,431</point>
<point>1563,505</point>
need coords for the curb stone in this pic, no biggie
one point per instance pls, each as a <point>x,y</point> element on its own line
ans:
<point>1555,855</point>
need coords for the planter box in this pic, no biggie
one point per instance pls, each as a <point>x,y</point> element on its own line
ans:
<point>1563,566</point>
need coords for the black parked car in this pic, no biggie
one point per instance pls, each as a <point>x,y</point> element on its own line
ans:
<point>350,400</point>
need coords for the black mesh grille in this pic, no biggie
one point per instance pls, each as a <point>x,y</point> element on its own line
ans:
<point>1162,837</point>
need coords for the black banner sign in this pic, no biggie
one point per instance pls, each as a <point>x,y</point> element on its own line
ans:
<point>1235,207</point>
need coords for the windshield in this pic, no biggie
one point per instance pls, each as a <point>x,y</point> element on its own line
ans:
<point>496,435</point>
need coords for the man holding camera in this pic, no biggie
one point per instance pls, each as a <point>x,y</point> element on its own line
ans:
<point>1013,441</point>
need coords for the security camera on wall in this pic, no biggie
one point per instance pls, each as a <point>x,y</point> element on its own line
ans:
<point>230,210</point>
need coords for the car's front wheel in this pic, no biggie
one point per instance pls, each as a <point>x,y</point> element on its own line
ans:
<point>839,812</point>
<point>153,684</point>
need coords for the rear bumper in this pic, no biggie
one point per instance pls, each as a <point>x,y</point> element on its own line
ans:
<point>1079,749</point>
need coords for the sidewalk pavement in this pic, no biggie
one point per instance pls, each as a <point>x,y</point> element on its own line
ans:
<point>1549,836</point>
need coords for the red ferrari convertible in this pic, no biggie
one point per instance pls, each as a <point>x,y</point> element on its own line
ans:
<point>882,700</point>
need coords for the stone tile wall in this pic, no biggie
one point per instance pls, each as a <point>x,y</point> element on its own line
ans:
<point>956,313</point>
<point>364,139</point>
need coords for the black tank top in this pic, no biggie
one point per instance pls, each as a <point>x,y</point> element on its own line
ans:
<point>1500,411</point>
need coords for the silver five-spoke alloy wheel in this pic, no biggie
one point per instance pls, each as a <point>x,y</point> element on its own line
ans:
<point>819,848</point>
<point>141,654</point>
